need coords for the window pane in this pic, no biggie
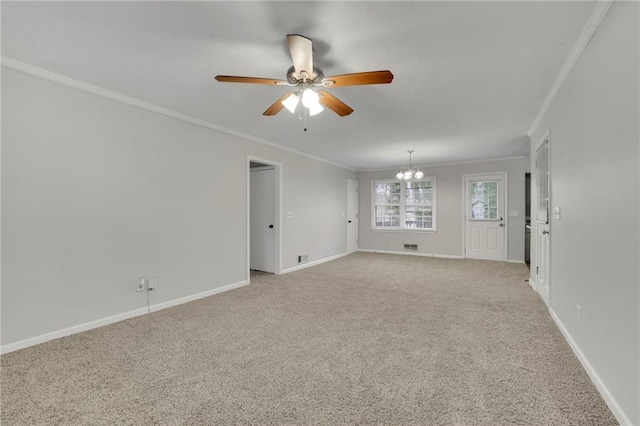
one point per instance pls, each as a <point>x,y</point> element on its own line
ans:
<point>387,193</point>
<point>420,217</point>
<point>484,200</point>
<point>542,178</point>
<point>388,216</point>
<point>419,192</point>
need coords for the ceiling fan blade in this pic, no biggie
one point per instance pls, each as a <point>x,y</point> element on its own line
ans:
<point>277,106</point>
<point>301,54</point>
<point>334,104</point>
<point>254,80</point>
<point>358,78</point>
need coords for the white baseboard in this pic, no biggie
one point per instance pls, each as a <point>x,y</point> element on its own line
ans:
<point>11,347</point>
<point>443,256</point>
<point>314,263</point>
<point>192,297</point>
<point>516,261</point>
<point>613,405</point>
<point>533,285</point>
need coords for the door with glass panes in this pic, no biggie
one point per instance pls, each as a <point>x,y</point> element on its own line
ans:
<point>485,230</point>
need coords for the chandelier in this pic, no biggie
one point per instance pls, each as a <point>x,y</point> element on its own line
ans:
<point>410,172</point>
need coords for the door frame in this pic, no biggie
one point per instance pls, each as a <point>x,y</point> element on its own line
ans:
<point>277,238</point>
<point>505,208</point>
<point>357,213</point>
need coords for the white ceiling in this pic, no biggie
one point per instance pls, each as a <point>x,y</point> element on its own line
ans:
<point>470,77</point>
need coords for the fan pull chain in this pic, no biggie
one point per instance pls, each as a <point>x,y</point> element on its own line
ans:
<point>306,113</point>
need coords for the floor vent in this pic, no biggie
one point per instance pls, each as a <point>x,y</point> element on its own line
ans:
<point>302,258</point>
<point>412,247</point>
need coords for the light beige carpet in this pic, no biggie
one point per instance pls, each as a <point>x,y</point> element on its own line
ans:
<point>366,339</point>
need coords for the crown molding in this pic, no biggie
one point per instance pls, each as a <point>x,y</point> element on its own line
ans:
<point>451,163</point>
<point>76,84</point>
<point>601,9</point>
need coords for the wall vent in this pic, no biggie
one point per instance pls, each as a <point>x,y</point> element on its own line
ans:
<point>302,258</point>
<point>412,247</point>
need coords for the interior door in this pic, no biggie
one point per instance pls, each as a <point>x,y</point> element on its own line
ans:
<point>262,220</point>
<point>543,235</point>
<point>352,215</point>
<point>484,217</point>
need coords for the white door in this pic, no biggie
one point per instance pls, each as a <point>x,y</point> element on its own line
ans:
<point>543,240</point>
<point>352,215</point>
<point>485,228</point>
<point>262,220</point>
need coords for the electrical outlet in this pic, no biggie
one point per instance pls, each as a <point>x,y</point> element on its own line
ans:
<point>153,283</point>
<point>141,284</point>
<point>329,246</point>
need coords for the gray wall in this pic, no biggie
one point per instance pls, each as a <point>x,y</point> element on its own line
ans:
<point>594,171</point>
<point>96,193</point>
<point>449,210</point>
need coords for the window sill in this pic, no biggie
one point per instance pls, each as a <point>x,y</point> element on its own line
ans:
<point>406,230</point>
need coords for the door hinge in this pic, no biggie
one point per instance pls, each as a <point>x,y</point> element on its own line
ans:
<point>536,270</point>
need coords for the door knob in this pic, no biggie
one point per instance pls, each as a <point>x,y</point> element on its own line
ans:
<point>271,226</point>
<point>501,224</point>
<point>545,232</point>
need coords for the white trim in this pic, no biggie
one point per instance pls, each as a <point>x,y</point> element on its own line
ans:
<point>505,210</point>
<point>601,9</point>
<point>278,212</point>
<point>201,295</point>
<point>67,81</point>
<point>615,408</point>
<point>442,256</point>
<point>515,261</point>
<point>450,163</point>
<point>315,262</point>
<point>11,347</point>
<point>406,230</point>
<point>532,283</point>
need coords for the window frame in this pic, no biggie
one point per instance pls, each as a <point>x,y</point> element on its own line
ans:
<point>403,227</point>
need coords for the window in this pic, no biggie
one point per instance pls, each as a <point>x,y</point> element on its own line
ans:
<point>542,180</point>
<point>484,200</point>
<point>404,205</point>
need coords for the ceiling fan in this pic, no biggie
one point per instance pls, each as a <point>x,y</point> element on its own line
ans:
<point>305,78</point>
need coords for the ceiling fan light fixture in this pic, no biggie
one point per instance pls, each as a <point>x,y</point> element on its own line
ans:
<point>310,98</point>
<point>315,109</point>
<point>291,102</point>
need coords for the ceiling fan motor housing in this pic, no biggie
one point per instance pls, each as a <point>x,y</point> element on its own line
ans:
<point>293,79</point>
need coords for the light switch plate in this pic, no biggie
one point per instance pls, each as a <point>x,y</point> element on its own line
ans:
<point>557,211</point>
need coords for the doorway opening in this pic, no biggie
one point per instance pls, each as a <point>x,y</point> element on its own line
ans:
<point>264,230</point>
